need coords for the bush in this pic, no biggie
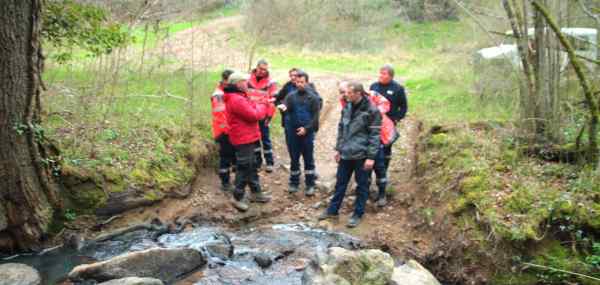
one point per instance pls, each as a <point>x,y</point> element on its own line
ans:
<point>334,25</point>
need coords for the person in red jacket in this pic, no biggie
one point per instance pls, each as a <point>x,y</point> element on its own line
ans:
<point>243,116</point>
<point>262,89</point>
<point>220,129</point>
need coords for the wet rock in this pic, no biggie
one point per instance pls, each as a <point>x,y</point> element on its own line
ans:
<point>18,274</point>
<point>133,281</point>
<point>413,273</point>
<point>164,264</point>
<point>263,260</point>
<point>220,247</point>
<point>342,266</point>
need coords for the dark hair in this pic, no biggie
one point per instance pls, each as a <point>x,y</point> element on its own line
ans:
<point>225,74</point>
<point>292,70</point>
<point>357,87</point>
<point>389,68</point>
<point>301,73</point>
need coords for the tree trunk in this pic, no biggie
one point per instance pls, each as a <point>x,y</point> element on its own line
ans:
<point>28,195</point>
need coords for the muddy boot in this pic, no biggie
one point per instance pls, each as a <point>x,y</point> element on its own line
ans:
<point>259,197</point>
<point>241,205</point>
<point>293,189</point>
<point>353,222</point>
<point>382,201</point>
<point>326,215</point>
<point>310,191</point>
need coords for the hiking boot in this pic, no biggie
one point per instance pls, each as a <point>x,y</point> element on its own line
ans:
<point>269,168</point>
<point>259,197</point>
<point>382,201</point>
<point>293,189</point>
<point>227,188</point>
<point>353,222</point>
<point>310,191</point>
<point>242,206</point>
<point>326,215</point>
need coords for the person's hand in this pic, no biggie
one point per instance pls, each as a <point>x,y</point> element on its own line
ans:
<point>369,163</point>
<point>267,120</point>
<point>282,107</point>
<point>301,131</point>
<point>337,157</point>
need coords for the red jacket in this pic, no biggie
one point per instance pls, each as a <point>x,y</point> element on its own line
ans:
<point>219,114</point>
<point>262,90</point>
<point>242,116</point>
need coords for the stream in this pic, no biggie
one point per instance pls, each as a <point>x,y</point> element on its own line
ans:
<point>289,246</point>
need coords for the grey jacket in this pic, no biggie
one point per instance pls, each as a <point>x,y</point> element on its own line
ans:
<point>359,131</point>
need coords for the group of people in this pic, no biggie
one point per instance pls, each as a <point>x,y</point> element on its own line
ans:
<point>243,106</point>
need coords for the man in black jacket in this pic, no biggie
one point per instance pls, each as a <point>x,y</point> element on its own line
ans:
<point>301,109</point>
<point>358,142</point>
<point>394,92</point>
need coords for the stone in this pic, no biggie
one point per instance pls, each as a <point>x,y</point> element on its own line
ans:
<point>413,273</point>
<point>161,263</point>
<point>342,266</point>
<point>18,274</point>
<point>131,198</point>
<point>220,247</point>
<point>133,281</point>
<point>324,186</point>
<point>263,260</point>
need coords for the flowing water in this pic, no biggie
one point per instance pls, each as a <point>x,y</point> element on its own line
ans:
<point>290,247</point>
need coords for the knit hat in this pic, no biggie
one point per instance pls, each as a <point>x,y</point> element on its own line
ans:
<point>237,76</point>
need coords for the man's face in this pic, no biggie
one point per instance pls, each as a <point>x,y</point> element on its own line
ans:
<point>293,76</point>
<point>262,70</point>
<point>384,76</point>
<point>242,85</point>
<point>343,89</point>
<point>352,96</point>
<point>301,83</point>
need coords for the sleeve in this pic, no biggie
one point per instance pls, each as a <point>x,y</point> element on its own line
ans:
<point>338,140</point>
<point>281,94</point>
<point>247,111</point>
<point>374,134</point>
<point>314,109</point>
<point>400,106</point>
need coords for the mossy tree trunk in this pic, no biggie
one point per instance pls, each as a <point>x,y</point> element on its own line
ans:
<point>28,195</point>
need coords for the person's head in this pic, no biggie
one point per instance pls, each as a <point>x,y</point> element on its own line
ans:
<point>386,74</point>
<point>355,92</point>
<point>262,68</point>
<point>225,75</point>
<point>293,73</point>
<point>239,80</point>
<point>302,80</point>
<point>342,89</point>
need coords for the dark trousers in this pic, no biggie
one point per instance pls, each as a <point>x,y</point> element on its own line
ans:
<point>380,169</point>
<point>246,170</point>
<point>226,158</point>
<point>301,146</point>
<point>387,152</point>
<point>267,146</point>
<point>344,173</point>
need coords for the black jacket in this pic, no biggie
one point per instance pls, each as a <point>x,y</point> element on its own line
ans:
<point>359,131</point>
<point>395,93</point>
<point>308,96</point>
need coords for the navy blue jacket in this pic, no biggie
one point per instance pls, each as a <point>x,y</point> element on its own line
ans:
<point>311,99</point>
<point>395,93</point>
